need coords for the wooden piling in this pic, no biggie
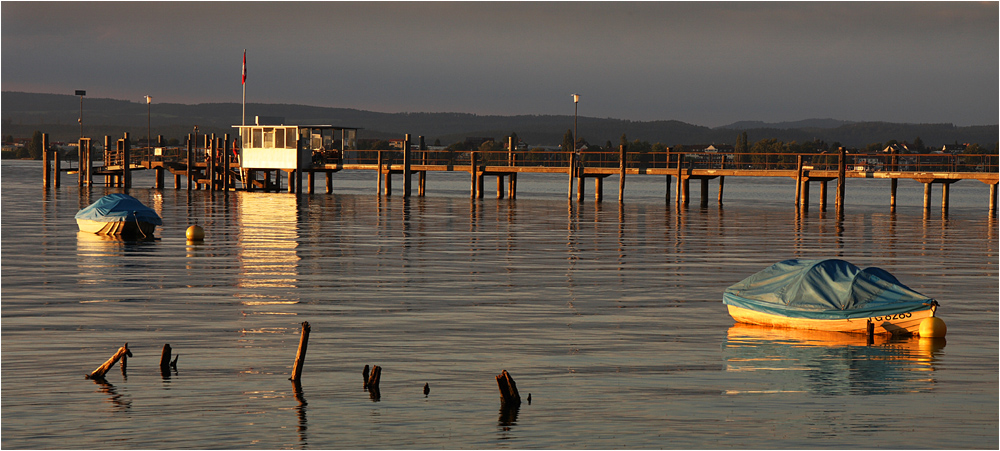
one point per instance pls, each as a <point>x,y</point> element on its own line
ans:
<point>165,362</point>
<point>822,195</point>
<point>621,175</point>
<point>472,170</point>
<point>126,162</point>
<point>805,193</point>
<point>927,195</point>
<point>329,182</point>
<point>871,332</point>
<point>57,170</point>
<point>572,166</point>
<point>841,177</point>
<point>46,167</point>
<point>371,383</point>
<point>190,162</point>
<point>508,389</point>
<point>300,356</point>
<point>599,189</point>
<point>406,166</point>
<point>103,369</point>
<point>798,181</point>
<point>722,185</point>
<point>210,157</point>
<point>704,193</point>
<point>378,172</point>
<point>945,191</point>
<point>680,181</point>
<point>993,199</point>
<point>892,192</point>
<point>227,156</point>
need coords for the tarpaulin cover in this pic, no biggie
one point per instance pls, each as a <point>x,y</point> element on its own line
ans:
<point>119,207</point>
<point>824,289</point>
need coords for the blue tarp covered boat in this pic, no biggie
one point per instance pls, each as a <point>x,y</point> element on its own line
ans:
<point>118,214</point>
<point>829,295</point>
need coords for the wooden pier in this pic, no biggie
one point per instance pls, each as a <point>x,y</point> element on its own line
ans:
<point>214,166</point>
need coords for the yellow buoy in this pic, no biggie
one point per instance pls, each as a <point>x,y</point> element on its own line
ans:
<point>195,233</point>
<point>933,327</point>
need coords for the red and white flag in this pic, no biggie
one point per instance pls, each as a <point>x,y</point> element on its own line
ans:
<point>244,66</point>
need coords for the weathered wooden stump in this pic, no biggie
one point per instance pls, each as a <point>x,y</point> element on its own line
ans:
<point>103,369</point>
<point>508,389</point>
<point>300,355</point>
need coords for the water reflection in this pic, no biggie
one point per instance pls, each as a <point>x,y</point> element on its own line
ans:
<point>118,401</point>
<point>268,240</point>
<point>102,259</point>
<point>300,411</point>
<point>831,363</point>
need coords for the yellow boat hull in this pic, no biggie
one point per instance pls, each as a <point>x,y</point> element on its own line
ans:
<point>901,324</point>
<point>115,228</point>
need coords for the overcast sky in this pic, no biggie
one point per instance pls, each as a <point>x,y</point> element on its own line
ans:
<point>705,63</point>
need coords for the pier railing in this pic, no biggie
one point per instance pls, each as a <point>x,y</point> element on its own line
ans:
<point>696,160</point>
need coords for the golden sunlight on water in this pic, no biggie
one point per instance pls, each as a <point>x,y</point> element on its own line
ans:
<point>609,315</point>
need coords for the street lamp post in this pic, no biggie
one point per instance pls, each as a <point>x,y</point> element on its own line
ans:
<point>576,152</point>
<point>149,128</point>
<point>81,93</point>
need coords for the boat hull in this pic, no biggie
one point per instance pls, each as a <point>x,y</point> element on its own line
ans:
<point>896,324</point>
<point>117,228</point>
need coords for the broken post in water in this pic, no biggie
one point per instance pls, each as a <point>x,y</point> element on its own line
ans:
<point>103,369</point>
<point>508,389</point>
<point>300,356</point>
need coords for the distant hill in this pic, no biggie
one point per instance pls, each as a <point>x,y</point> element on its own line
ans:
<point>806,123</point>
<point>57,114</point>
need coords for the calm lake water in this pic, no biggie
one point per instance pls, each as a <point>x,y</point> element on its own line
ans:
<point>610,316</point>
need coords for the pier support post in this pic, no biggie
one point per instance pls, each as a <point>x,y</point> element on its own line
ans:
<point>599,189</point>
<point>722,185</point>
<point>621,175</point>
<point>84,174</point>
<point>822,196</point>
<point>46,167</point>
<point>805,194</point>
<point>329,182</point>
<point>572,173</point>
<point>841,177</point>
<point>892,192</point>
<point>126,163</point>
<point>190,162</point>
<point>580,186</point>
<point>500,193</point>
<point>927,195</point>
<point>378,172</point>
<point>406,166</point>
<point>993,199</point>
<point>227,172</point>
<point>680,177</point>
<point>472,170</point>
<point>210,150</point>
<point>310,180</point>
<point>704,193</point>
<point>798,181</point>
<point>945,190</point>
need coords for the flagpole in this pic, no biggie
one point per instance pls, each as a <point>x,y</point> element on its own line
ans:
<point>244,87</point>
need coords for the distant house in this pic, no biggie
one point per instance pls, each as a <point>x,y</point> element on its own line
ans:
<point>720,148</point>
<point>896,148</point>
<point>954,148</point>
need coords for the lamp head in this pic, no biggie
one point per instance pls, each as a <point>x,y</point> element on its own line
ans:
<point>576,98</point>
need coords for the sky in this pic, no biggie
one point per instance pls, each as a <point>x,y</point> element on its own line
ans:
<point>704,63</point>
